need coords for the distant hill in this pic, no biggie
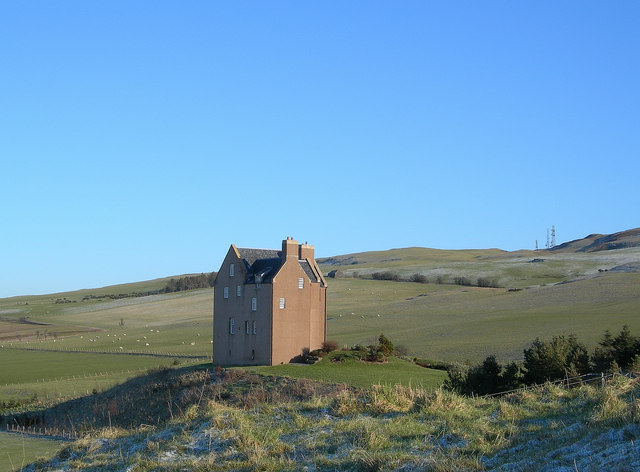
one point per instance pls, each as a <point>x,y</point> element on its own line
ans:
<point>602,242</point>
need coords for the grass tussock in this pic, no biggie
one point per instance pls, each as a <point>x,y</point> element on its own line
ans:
<point>262,423</point>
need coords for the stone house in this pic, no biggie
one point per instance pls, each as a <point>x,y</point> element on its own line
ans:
<point>269,305</point>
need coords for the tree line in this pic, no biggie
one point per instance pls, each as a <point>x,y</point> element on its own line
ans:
<point>562,357</point>
<point>190,282</point>
<point>420,278</point>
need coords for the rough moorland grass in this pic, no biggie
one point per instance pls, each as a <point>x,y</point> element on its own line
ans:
<point>359,374</point>
<point>510,269</point>
<point>18,450</point>
<point>384,428</point>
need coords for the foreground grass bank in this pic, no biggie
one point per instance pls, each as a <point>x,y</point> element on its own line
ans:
<point>247,422</point>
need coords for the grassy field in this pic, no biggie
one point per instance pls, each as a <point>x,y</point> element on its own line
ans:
<point>435,321</point>
<point>16,451</point>
<point>179,323</point>
<point>509,269</point>
<point>54,375</point>
<point>353,372</point>
<point>455,323</point>
<point>104,330</point>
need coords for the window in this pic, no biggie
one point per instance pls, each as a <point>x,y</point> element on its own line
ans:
<point>232,323</point>
<point>255,327</point>
<point>281,303</point>
<point>300,282</point>
<point>232,268</point>
<point>239,290</point>
<point>226,292</point>
<point>254,304</point>
<point>247,328</point>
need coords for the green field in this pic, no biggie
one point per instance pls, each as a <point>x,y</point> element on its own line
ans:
<point>565,293</point>
<point>87,343</point>
<point>454,323</point>
<point>353,372</point>
<point>179,323</point>
<point>50,375</point>
<point>17,450</point>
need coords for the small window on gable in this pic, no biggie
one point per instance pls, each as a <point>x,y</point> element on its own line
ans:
<point>226,292</point>
<point>254,304</point>
<point>247,327</point>
<point>255,327</point>
<point>282,303</point>
<point>232,324</point>
<point>232,268</point>
<point>239,290</point>
<point>301,282</point>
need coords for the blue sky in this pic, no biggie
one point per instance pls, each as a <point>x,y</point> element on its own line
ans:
<point>139,139</point>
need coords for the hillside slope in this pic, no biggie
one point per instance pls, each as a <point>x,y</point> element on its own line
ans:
<point>601,242</point>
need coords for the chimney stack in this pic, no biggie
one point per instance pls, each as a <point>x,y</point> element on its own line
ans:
<point>305,251</point>
<point>289,248</point>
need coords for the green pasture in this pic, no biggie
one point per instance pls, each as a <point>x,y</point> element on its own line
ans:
<point>179,323</point>
<point>455,323</point>
<point>17,450</point>
<point>359,374</point>
<point>52,375</point>
<point>435,321</point>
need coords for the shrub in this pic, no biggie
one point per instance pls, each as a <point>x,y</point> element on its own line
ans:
<point>386,346</point>
<point>360,352</point>
<point>486,378</point>
<point>551,361</point>
<point>430,364</point>
<point>375,353</point>
<point>307,357</point>
<point>418,278</point>
<point>329,346</point>
<point>462,281</point>
<point>387,275</point>
<point>484,282</point>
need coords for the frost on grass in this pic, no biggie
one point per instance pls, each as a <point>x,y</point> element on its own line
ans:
<point>381,428</point>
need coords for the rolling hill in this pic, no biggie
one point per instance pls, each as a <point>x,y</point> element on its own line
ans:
<point>602,242</point>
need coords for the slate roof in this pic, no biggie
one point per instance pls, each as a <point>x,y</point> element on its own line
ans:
<point>252,255</point>
<point>265,264</point>
<point>307,270</point>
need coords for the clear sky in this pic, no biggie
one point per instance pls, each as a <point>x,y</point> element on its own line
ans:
<point>140,139</point>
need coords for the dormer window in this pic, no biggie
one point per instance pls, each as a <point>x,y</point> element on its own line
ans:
<point>232,268</point>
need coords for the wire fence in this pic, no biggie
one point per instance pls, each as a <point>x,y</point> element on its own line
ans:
<point>566,382</point>
<point>50,433</point>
